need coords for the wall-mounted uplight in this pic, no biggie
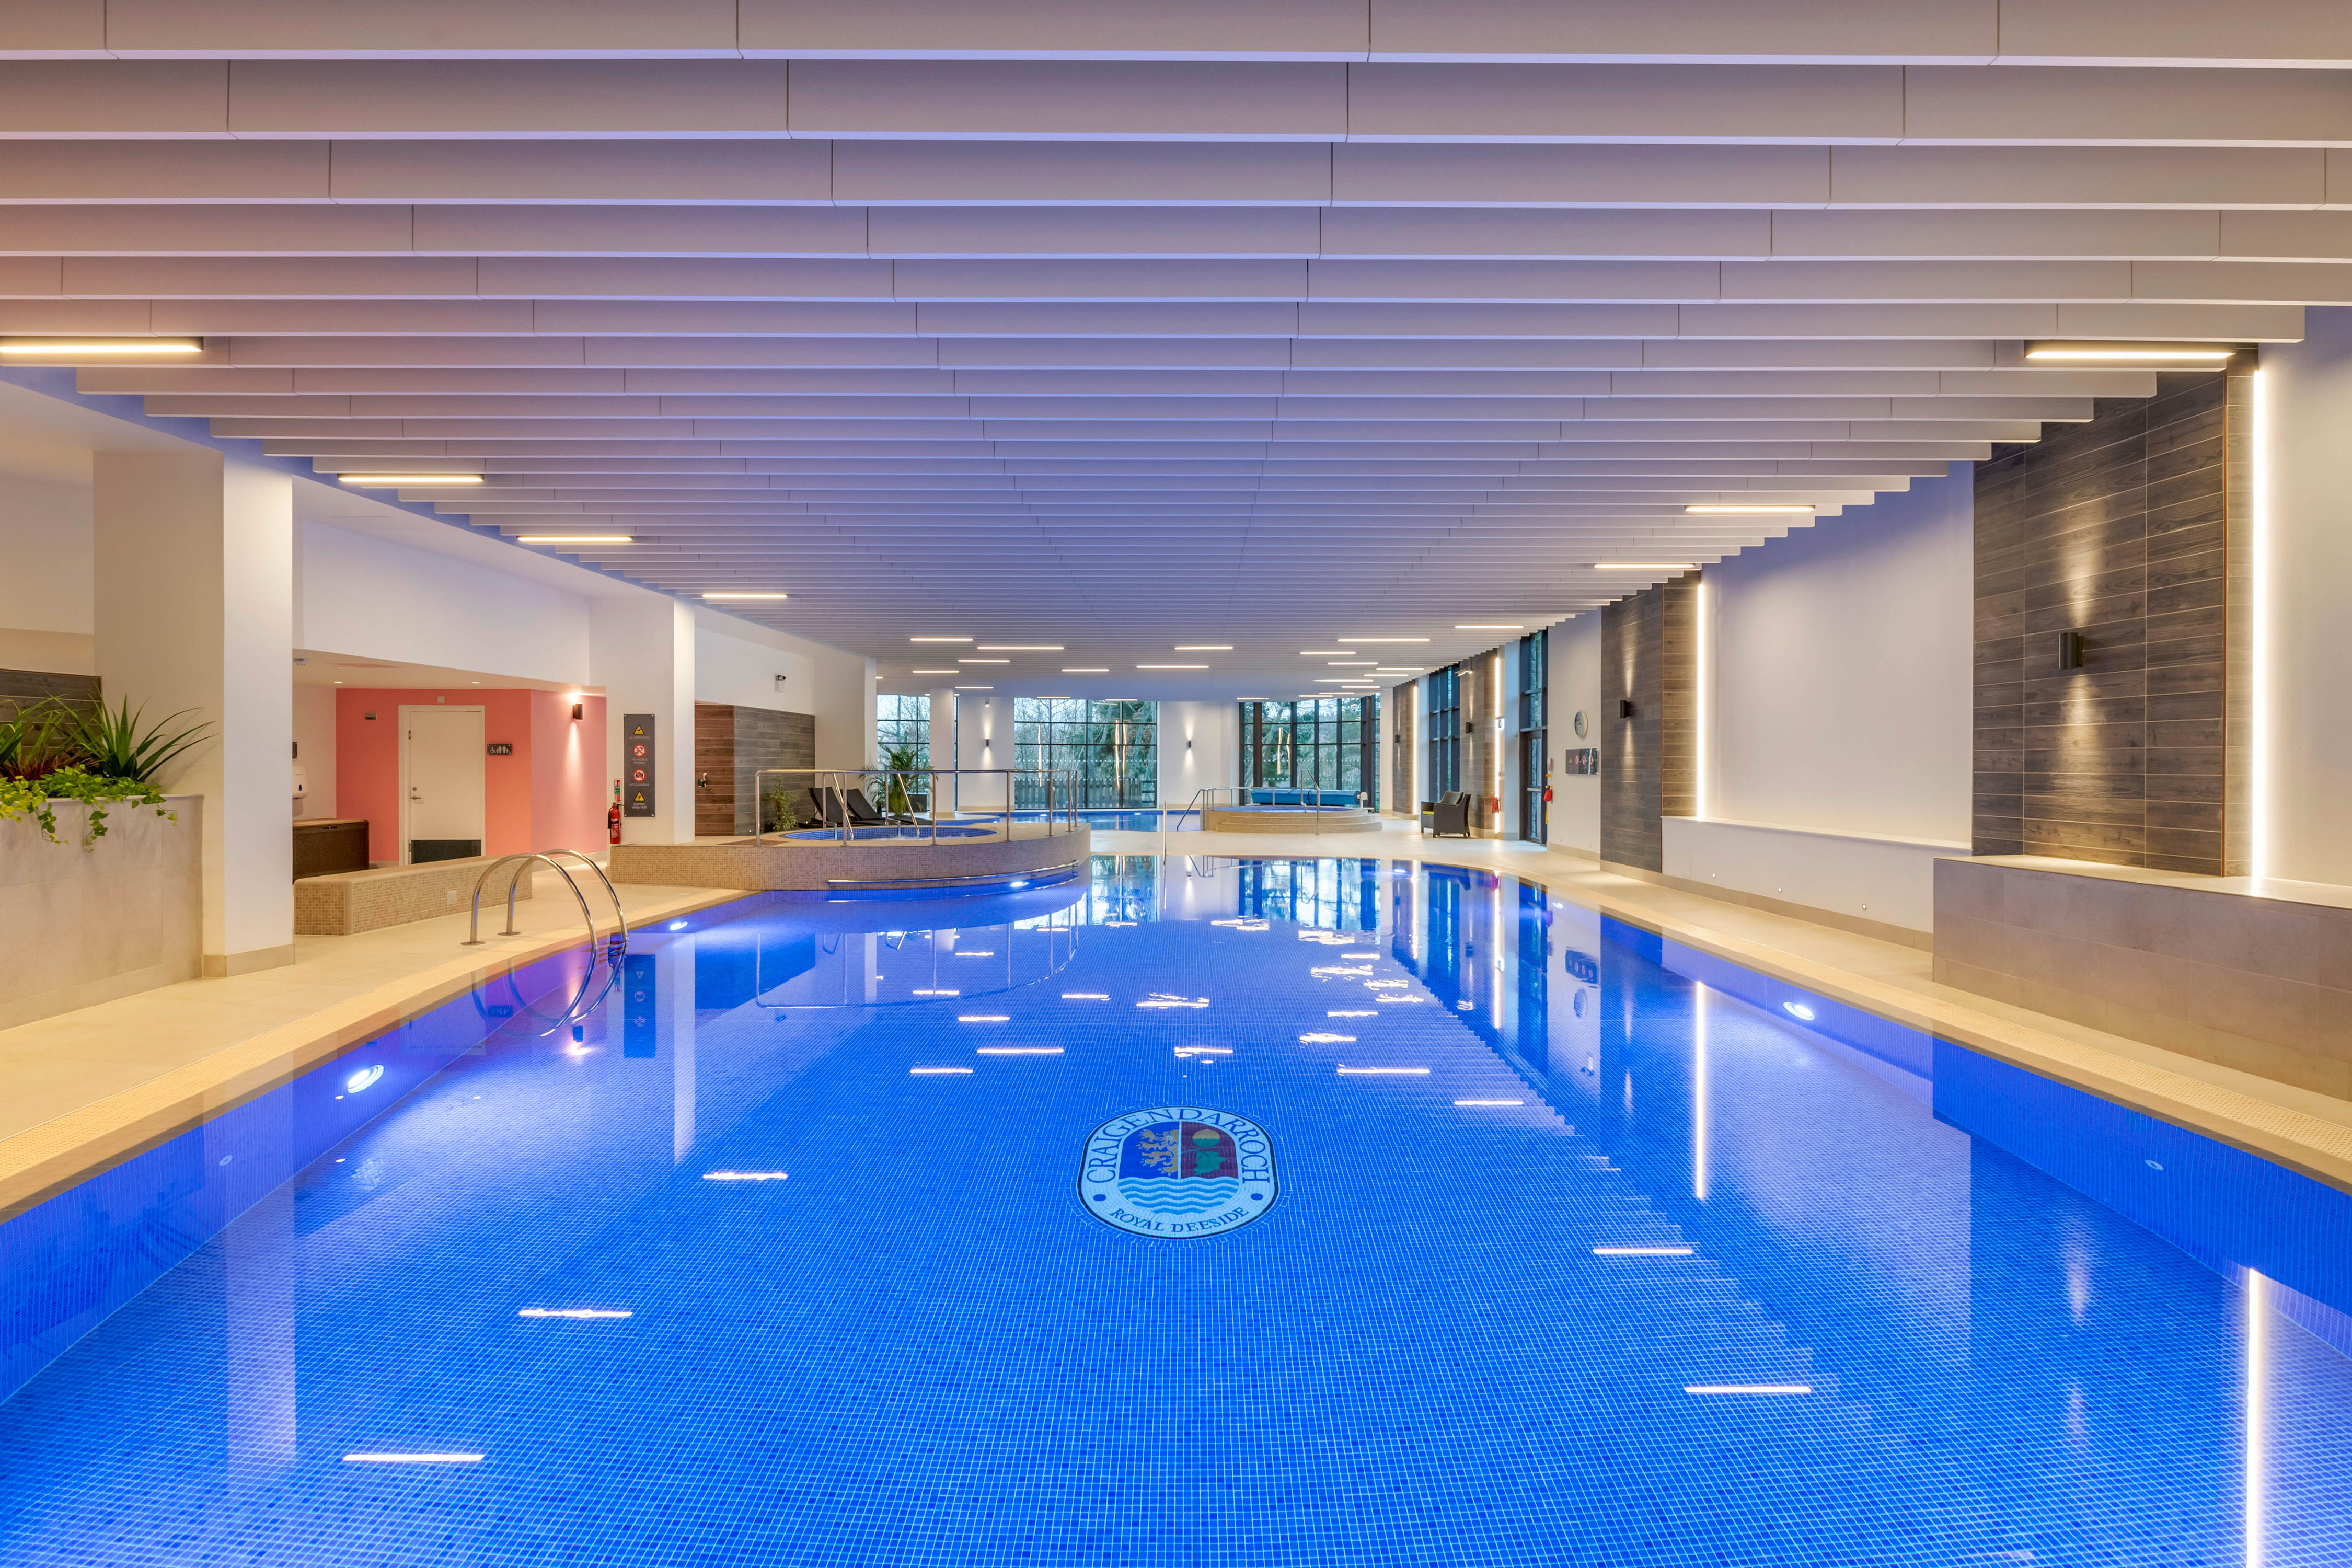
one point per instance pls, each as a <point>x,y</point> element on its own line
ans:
<point>79,346</point>
<point>2129,354</point>
<point>1725,510</point>
<point>574,539</point>
<point>2069,650</point>
<point>731,596</point>
<point>398,481</point>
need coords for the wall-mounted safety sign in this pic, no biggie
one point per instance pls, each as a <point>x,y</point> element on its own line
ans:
<point>636,764</point>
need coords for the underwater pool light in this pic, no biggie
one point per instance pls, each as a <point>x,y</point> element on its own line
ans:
<point>1798,1010</point>
<point>362,1078</point>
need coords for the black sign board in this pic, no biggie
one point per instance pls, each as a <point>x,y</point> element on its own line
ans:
<point>501,748</point>
<point>636,764</point>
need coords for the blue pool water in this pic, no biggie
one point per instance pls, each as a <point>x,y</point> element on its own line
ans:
<point>856,1173</point>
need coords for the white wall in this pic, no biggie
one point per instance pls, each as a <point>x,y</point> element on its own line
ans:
<point>743,674</point>
<point>1215,759</point>
<point>1575,687</point>
<point>314,739</point>
<point>1841,660</point>
<point>2304,542</point>
<point>373,599</point>
<point>45,596</point>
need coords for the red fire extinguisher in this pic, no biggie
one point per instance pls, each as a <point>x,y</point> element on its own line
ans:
<point>612,818</point>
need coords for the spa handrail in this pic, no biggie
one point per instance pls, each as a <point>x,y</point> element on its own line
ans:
<point>473,930</point>
<point>1315,811</point>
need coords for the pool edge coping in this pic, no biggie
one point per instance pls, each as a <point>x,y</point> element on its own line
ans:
<point>52,1157</point>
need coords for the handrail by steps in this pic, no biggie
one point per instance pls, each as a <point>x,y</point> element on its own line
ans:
<point>620,937</point>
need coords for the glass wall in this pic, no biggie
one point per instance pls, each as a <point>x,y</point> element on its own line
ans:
<point>1322,742</point>
<point>1445,732</point>
<point>1113,747</point>
<point>903,722</point>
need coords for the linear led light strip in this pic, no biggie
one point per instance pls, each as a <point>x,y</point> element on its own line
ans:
<point>102,346</point>
<point>2141,352</point>
<point>390,482</point>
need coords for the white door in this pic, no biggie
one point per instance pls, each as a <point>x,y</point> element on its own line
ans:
<point>442,799</point>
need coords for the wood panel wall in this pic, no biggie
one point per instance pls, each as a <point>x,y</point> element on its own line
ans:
<point>714,770</point>
<point>730,744</point>
<point>2132,530</point>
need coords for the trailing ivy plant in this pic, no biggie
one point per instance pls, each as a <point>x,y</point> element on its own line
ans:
<point>36,799</point>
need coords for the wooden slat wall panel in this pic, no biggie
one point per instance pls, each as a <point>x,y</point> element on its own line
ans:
<point>767,738</point>
<point>1678,696</point>
<point>2119,528</point>
<point>714,770</point>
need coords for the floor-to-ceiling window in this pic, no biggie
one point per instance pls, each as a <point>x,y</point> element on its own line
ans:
<point>1535,708</point>
<point>1108,751</point>
<point>1321,742</point>
<point>902,728</point>
<point>1445,732</point>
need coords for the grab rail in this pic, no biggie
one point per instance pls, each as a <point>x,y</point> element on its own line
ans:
<point>620,938</point>
<point>831,787</point>
<point>1315,812</point>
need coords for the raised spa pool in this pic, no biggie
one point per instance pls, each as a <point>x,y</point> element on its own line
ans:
<point>1269,1214</point>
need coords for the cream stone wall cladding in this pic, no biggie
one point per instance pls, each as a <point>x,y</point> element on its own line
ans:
<point>2255,976</point>
<point>1217,819</point>
<point>812,865</point>
<point>78,927</point>
<point>349,901</point>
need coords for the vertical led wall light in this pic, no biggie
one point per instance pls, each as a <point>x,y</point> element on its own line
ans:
<point>2069,650</point>
<point>2258,747</point>
<point>1702,718</point>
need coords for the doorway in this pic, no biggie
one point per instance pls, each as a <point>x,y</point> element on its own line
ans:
<point>442,801</point>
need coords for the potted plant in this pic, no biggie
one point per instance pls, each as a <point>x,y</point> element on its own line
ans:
<point>53,751</point>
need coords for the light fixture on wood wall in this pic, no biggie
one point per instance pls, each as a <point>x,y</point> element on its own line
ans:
<point>2069,650</point>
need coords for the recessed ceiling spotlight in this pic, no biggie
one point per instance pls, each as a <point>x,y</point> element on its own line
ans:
<point>743,595</point>
<point>1743,511</point>
<point>100,346</point>
<point>574,539</point>
<point>395,481</point>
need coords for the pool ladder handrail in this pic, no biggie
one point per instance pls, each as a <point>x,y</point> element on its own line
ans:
<point>618,943</point>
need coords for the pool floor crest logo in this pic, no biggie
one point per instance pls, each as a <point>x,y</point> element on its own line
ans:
<point>1178,1173</point>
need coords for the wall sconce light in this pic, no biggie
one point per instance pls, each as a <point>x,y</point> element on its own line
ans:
<point>2069,650</point>
<point>1624,707</point>
<point>579,710</point>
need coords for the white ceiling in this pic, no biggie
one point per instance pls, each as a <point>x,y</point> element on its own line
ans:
<point>1122,324</point>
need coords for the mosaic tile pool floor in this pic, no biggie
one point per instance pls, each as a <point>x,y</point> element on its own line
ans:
<point>1569,1246</point>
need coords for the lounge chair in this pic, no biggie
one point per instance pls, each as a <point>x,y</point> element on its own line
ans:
<point>861,810</point>
<point>1448,816</point>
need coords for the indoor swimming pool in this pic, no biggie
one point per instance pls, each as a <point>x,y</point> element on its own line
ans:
<point>1267,1213</point>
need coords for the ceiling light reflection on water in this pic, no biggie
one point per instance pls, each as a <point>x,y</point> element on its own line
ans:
<point>1850,1313</point>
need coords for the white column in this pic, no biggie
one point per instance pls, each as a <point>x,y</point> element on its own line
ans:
<point>942,703</point>
<point>195,578</point>
<point>641,651</point>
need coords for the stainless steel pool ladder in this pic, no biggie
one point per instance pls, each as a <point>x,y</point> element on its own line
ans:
<point>614,945</point>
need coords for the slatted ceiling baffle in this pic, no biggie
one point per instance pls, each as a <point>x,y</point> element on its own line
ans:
<point>1132,324</point>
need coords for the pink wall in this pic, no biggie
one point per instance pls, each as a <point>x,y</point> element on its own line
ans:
<point>550,794</point>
